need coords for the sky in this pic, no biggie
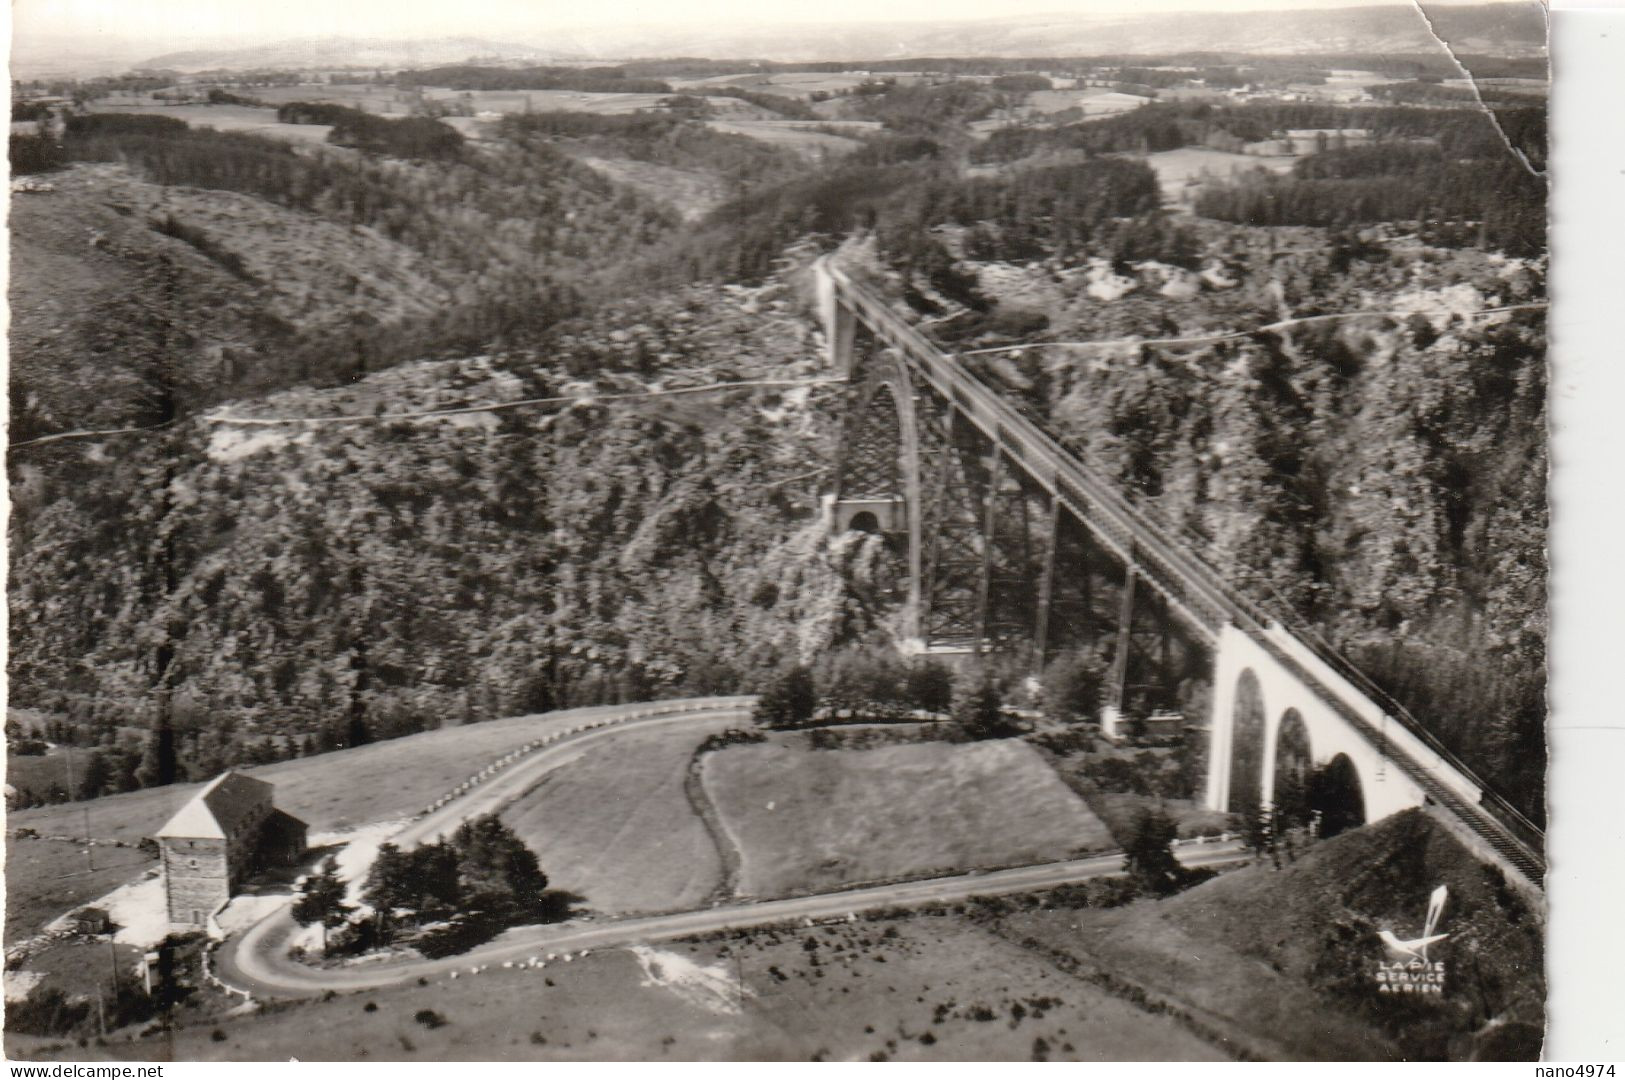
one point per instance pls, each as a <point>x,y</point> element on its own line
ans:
<point>110,22</point>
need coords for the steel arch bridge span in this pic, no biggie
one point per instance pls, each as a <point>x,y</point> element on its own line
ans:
<point>1014,544</point>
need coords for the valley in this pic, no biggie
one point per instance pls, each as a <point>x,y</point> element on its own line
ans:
<point>479,446</point>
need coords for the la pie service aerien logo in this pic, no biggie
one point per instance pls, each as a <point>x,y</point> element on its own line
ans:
<point>1407,968</point>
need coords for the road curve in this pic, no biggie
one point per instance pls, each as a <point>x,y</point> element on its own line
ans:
<point>266,974</point>
<point>256,961</point>
<point>250,961</point>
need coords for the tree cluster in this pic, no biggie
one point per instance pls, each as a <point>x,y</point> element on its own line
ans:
<point>415,138</point>
<point>922,109</point>
<point>35,154</point>
<point>1498,204</point>
<point>1021,84</point>
<point>483,872</point>
<point>854,683</point>
<point>1460,133</point>
<point>1072,685</point>
<point>1105,204</point>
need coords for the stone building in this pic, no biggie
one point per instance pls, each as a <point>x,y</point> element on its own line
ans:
<point>213,843</point>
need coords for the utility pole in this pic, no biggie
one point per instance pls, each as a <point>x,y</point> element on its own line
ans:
<point>90,850</point>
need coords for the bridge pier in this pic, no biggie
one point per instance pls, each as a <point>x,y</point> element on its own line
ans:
<point>840,327</point>
<point>1046,585</point>
<point>1118,685</point>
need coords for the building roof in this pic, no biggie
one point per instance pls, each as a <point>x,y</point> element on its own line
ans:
<point>283,825</point>
<point>219,808</point>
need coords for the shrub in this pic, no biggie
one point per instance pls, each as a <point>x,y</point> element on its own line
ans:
<point>312,112</point>
<point>788,701</point>
<point>978,711</point>
<point>1149,856</point>
<point>35,154</point>
<point>430,1019</point>
<point>929,686</point>
<point>94,124</point>
<point>46,1012</point>
<point>1071,686</point>
<point>731,737</point>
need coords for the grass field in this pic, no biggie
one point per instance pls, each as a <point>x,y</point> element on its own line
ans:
<point>797,84</point>
<point>805,820</point>
<point>925,988</point>
<point>790,134</point>
<point>378,99</point>
<point>37,772</point>
<point>734,116</point>
<point>1286,1021</point>
<point>82,967</point>
<point>616,828</point>
<point>329,791</point>
<point>242,119</point>
<point>1180,172</point>
<point>1120,810</point>
<point>45,878</point>
<point>1093,101</point>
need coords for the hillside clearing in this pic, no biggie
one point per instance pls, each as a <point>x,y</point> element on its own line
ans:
<point>616,828</point>
<point>928,988</point>
<point>313,272</point>
<point>806,820</point>
<point>690,192</point>
<point>792,135</point>
<point>1181,172</point>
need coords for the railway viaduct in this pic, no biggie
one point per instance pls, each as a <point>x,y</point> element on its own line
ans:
<point>1012,543</point>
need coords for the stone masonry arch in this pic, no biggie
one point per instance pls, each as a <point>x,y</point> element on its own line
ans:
<point>1283,693</point>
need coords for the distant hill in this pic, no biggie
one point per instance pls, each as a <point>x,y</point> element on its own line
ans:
<point>388,54</point>
<point>1515,29</point>
<point>1507,29</point>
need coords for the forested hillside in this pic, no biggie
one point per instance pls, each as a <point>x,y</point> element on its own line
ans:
<point>1382,478</point>
<point>304,587</point>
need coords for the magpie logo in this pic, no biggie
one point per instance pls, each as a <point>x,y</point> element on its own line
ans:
<point>1417,948</point>
<point>1408,969</point>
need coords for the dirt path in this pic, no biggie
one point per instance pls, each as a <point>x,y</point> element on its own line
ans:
<point>706,810</point>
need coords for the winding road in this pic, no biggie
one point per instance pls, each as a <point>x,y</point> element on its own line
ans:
<point>256,961</point>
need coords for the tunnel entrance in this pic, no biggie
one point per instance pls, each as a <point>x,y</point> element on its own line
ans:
<point>865,522</point>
